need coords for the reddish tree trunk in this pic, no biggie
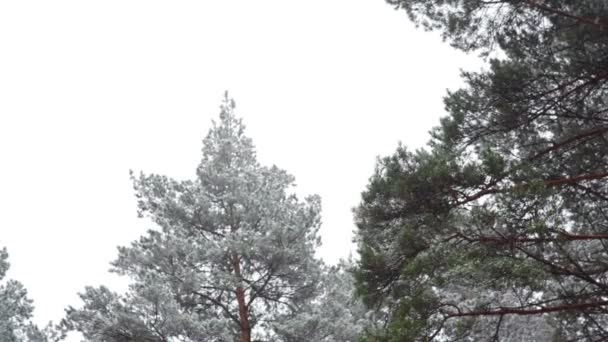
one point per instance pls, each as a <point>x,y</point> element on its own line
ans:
<point>240,298</point>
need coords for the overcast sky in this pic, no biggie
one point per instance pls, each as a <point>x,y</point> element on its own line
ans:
<point>91,89</point>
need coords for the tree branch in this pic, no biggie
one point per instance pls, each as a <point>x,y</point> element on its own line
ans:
<point>593,22</point>
<point>562,143</point>
<point>501,311</point>
<point>548,183</point>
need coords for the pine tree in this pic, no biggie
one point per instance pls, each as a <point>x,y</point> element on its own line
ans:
<point>499,229</point>
<point>232,258</point>
<point>16,312</point>
<point>335,314</point>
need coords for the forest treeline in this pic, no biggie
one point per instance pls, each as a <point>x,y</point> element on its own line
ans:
<point>497,230</point>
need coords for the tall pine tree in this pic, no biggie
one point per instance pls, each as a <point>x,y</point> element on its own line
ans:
<point>232,258</point>
<point>499,230</point>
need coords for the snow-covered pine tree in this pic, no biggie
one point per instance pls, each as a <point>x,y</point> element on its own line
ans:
<point>335,314</point>
<point>232,258</point>
<point>16,311</point>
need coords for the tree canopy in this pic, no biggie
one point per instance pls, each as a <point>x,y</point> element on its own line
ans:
<point>499,229</point>
<point>16,311</point>
<point>232,258</point>
<point>336,314</point>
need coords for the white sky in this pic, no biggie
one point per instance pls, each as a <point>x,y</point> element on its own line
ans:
<point>91,89</point>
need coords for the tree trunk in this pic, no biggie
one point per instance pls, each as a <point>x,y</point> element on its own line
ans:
<point>240,298</point>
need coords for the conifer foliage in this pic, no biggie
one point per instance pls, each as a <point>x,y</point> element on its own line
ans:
<point>499,230</point>
<point>16,311</point>
<point>232,258</point>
